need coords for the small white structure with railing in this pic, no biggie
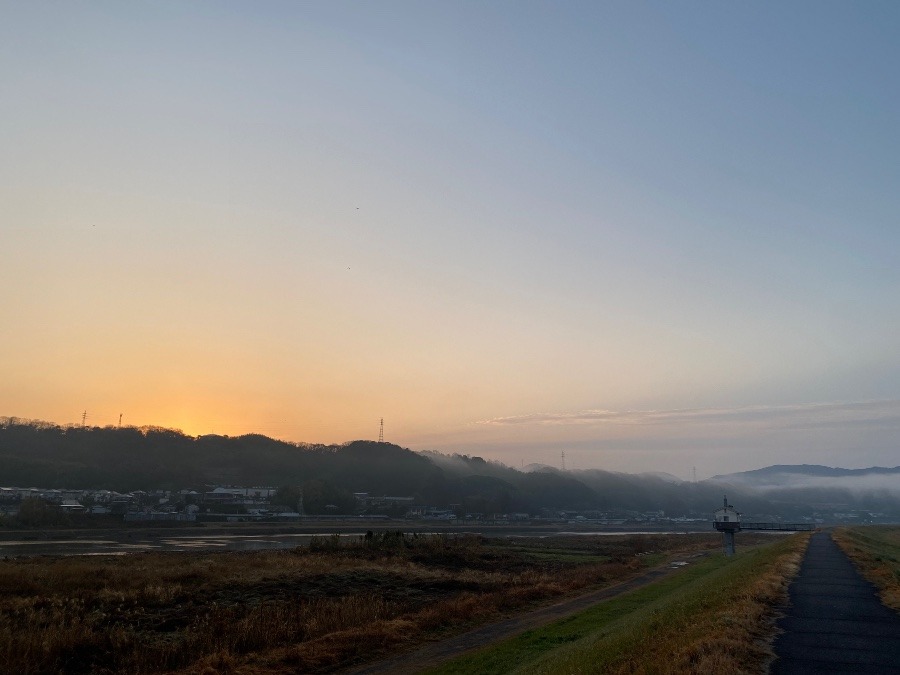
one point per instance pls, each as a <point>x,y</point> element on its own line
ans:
<point>728,521</point>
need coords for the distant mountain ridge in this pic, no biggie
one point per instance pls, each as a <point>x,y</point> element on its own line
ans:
<point>804,470</point>
<point>874,490</point>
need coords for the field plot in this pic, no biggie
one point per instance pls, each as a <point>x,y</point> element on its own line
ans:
<point>876,551</point>
<point>321,608</point>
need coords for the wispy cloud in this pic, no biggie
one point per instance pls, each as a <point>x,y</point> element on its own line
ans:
<point>799,416</point>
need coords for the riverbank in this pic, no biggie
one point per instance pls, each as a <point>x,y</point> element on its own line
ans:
<point>256,536</point>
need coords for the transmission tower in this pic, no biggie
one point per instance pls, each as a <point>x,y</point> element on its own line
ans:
<point>563,460</point>
<point>83,418</point>
<point>381,432</point>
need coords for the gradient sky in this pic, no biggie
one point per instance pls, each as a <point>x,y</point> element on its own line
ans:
<point>653,235</point>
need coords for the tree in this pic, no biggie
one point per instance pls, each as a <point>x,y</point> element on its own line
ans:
<point>34,512</point>
<point>289,495</point>
<point>319,494</point>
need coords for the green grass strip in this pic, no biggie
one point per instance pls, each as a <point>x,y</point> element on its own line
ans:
<point>612,629</point>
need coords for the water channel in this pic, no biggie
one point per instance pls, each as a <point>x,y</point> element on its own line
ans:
<point>121,542</point>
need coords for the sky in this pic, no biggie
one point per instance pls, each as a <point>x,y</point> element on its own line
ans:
<point>646,236</point>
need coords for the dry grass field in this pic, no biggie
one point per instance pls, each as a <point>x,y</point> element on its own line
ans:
<point>320,608</point>
<point>876,551</point>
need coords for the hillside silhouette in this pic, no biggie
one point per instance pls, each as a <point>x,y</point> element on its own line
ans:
<point>34,453</point>
<point>147,458</point>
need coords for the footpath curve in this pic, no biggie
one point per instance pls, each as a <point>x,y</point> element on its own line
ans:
<point>835,622</point>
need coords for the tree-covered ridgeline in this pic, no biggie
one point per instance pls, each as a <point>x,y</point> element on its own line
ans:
<point>124,459</point>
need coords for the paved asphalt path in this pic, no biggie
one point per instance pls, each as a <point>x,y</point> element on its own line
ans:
<point>835,622</point>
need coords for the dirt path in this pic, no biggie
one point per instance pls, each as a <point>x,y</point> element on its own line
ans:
<point>435,653</point>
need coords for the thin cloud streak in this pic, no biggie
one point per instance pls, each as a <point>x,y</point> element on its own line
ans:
<point>799,416</point>
<point>720,440</point>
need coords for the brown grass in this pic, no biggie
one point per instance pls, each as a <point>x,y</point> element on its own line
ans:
<point>714,616</point>
<point>723,623</point>
<point>739,638</point>
<point>876,552</point>
<point>306,610</point>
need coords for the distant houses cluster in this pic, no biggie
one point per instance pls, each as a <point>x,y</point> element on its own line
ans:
<point>140,505</point>
<point>229,503</point>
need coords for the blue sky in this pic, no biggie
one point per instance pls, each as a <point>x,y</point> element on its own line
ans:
<point>298,218</point>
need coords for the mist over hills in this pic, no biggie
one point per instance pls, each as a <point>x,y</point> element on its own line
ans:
<point>129,458</point>
<point>786,474</point>
<point>875,488</point>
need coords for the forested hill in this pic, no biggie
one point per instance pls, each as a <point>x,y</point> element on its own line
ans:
<point>130,458</point>
<point>125,459</point>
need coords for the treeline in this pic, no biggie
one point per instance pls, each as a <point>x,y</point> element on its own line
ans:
<point>148,458</point>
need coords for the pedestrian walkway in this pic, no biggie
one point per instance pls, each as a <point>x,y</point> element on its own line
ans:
<point>835,622</point>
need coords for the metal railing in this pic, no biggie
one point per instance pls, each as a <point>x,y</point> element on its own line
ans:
<point>787,527</point>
